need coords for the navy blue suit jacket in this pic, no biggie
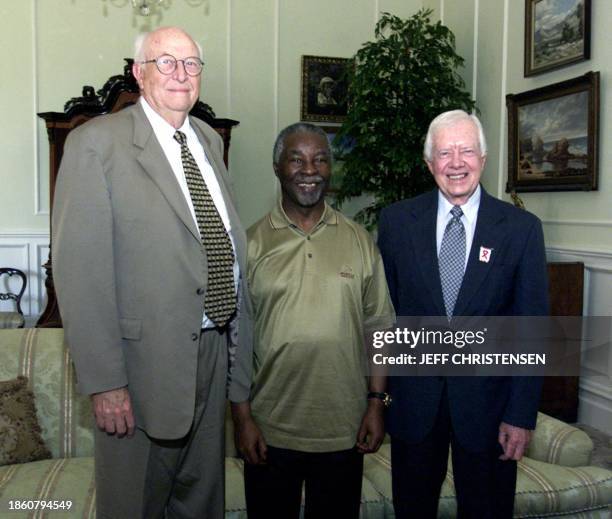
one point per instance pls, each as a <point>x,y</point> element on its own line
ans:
<point>513,282</point>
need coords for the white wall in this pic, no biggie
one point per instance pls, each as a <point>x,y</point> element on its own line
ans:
<point>252,74</point>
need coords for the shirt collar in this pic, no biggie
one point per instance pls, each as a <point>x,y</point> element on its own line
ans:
<point>280,220</point>
<point>470,208</point>
<point>159,124</point>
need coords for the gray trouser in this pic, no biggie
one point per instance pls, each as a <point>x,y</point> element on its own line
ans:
<point>153,478</point>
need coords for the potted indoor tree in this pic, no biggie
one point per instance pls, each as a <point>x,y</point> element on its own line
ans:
<point>398,84</point>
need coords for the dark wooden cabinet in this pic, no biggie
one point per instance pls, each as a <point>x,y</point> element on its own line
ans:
<point>117,93</point>
<point>566,285</point>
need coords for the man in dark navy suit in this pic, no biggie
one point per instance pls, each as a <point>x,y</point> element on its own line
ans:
<point>457,251</point>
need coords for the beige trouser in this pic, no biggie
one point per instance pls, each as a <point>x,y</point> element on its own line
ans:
<point>152,478</point>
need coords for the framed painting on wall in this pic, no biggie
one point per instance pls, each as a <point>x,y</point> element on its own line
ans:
<point>553,135</point>
<point>339,148</point>
<point>324,89</point>
<point>557,33</point>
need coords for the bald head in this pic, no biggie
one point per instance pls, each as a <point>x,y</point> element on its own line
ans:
<point>142,41</point>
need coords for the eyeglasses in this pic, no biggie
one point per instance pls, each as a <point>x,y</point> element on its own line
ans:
<point>167,64</point>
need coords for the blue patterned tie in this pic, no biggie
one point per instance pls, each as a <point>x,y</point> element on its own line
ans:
<point>220,299</point>
<point>451,261</point>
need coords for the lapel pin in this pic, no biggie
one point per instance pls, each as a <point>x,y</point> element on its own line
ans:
<point>485,254</point>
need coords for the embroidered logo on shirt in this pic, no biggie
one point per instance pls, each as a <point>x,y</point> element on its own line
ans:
<point>346,272</point>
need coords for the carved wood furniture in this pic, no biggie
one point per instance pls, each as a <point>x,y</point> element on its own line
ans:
<point>565,287</point>
<point>117,93</point>
<point>12,319</point>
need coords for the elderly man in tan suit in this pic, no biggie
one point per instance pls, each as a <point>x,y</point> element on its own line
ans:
<point>149,257</point>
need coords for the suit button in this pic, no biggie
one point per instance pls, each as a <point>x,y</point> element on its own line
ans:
<point>194,336</point>
<point>200,291</point>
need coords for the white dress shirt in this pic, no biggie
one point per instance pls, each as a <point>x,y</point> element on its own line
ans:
<point>469,218</point>
<point>164,132</point>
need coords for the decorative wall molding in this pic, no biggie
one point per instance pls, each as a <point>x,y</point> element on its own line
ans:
<point>595,410</point>
<point>595,396</point>
<point>593,259</point>
<point>475,49</point>
<point>598,388</point>
<point>502,105</point>
<point>39,196</point>
<point>27,251</point>
<point>580,223</point>
<point>228,60</point>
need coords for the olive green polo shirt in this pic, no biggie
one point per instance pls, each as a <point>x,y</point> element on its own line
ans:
<point>314,294</point>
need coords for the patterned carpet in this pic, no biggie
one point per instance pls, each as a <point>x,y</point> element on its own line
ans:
<point>602,454</point>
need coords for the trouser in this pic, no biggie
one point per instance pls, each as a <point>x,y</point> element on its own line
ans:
<point>149,478</point>
<point>484,484</point>
<point>332,484</point>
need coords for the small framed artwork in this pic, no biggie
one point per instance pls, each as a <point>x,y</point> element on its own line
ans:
<point>557,33</point>
<point>553,136</point>
<point>324,89</point>
<point>339,147</point>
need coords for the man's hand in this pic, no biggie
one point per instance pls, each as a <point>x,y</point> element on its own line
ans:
<point>248,438</point>
<point>372,430</point>
<point>514,440</point>
<point>113,412</point>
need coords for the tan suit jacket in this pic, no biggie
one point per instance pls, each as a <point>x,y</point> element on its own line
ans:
<point>130,272</point>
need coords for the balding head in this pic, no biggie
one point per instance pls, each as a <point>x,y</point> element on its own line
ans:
<point>171,94</point>
<point>142,40</point>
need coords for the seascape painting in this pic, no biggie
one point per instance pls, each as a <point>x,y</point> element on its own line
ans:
<point>553,134</point>
<point>553,137</point>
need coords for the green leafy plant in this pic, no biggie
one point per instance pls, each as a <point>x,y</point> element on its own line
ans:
<point>398,84</point>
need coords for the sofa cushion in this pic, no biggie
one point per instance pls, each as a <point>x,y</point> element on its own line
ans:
<point>20,439</point>
<point>68,480</point>
<point>542,489</point>
<point>377,471</point>
<point>64,416</point>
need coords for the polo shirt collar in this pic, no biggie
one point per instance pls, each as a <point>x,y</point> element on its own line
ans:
<point>280,220</point>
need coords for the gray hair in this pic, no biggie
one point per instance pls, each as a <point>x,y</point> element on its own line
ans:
<point>448,119</point>
<point>279,144</point>
<point>142,40</point>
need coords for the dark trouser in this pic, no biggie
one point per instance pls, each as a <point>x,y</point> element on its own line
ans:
<point>144,477</point>
<point>484,484</point>
<point>333,484</point>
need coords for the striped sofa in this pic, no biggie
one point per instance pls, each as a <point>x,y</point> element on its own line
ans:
<point>554,481</point>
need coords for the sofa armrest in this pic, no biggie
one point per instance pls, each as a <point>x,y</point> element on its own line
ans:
<point>559,443</point>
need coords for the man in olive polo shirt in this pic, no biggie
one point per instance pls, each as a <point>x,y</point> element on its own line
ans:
<point>317,284</point>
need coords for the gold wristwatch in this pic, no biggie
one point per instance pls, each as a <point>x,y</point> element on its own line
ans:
<point>385,397</point>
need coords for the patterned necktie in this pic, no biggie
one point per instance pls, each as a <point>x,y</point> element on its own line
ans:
<point>220,299</point>
<point>451,261</point>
